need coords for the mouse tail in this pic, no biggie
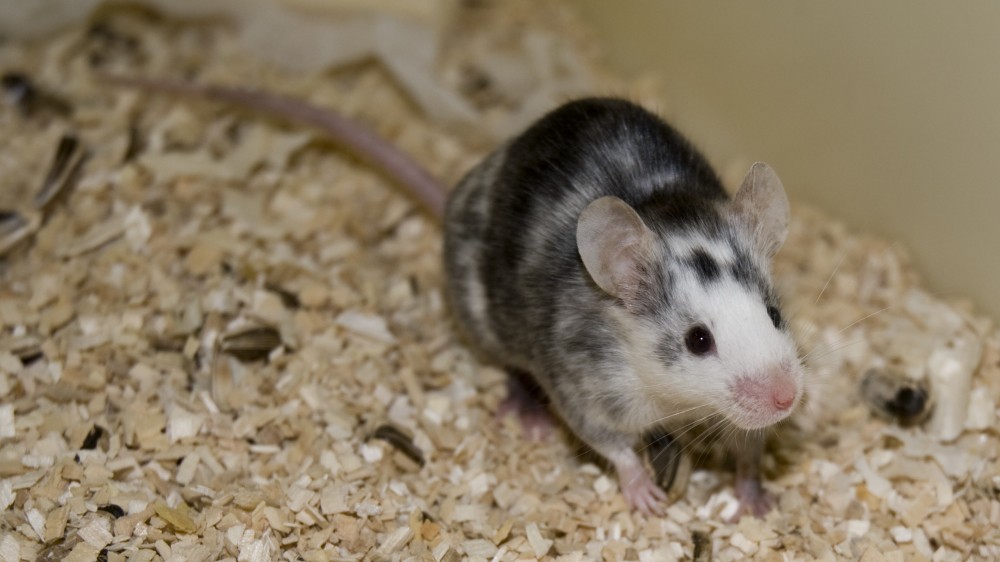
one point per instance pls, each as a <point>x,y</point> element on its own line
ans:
<point>356,137</point>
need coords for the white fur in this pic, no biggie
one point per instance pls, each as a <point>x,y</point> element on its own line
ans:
<point>747,345</point>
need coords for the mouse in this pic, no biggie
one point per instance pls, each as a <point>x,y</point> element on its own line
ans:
<point>597,257</point>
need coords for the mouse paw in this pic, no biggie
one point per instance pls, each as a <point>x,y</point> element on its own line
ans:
<point>754,499</point>
<point>536,424</point>
<point>640,491</point>
<point>529,406</point>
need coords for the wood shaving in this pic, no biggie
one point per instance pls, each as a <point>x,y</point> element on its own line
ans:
<point>209,328</point>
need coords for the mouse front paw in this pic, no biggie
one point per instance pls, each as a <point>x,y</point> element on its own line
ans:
<point>639,490</point>
<point>754,499</point>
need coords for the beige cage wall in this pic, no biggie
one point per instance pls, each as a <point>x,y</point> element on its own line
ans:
<point>886,114</point>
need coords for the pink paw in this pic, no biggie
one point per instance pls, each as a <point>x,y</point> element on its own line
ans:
<point>641,492</point>
<point>754,499</point>
<point>536,422</point>
<point>529,406</point>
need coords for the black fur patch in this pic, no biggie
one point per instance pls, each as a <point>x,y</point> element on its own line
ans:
<point>705,266</point>
<point>747,274</point>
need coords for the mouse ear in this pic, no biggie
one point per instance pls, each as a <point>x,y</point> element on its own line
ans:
<point>762,204</point>
<point>615,246</point>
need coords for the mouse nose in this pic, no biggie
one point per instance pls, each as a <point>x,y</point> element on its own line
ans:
<point>783,395</point>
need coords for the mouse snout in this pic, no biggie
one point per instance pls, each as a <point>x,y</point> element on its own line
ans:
<point>765,398</point>
<point>783,393</point>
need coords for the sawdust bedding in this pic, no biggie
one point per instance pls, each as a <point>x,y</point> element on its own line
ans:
<point>223,339</point>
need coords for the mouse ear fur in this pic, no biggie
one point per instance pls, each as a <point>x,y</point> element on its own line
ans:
<point>762,204</point>
<point>615,245</point>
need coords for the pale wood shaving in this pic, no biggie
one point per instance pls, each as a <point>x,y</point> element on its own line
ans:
<point>7,420</point>
<point>83,552</point>
<point>393,543</point>
<point>539,545</point>
<point>10,549</point>
<point>209,335</point>
<point>97,533</point>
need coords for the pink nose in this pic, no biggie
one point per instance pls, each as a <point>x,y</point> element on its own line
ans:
<point>783,395</point>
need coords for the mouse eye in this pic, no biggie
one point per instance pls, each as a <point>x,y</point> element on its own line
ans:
<point>699,340</point>
<point>775,315</point>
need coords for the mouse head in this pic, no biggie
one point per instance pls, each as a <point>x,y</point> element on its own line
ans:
<point>691,277</point>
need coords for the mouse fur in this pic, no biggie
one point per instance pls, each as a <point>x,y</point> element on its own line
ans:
<point>586,250</point>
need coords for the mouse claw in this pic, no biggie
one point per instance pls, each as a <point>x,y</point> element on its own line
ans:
<point>645,497</point>
<point>640,491</point>
<point>754,499</point>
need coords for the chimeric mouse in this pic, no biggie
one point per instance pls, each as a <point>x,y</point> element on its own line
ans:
<point>598,256</point>
<point>598,252</point>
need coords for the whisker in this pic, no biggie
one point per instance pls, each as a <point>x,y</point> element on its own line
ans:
<point>829,279</point>
<point>720,424</point>
<point>653,460</point>
<point>694,425</point>
<point>691,409</point>
<point>836,349</point>
<point>862,319</point>
<point>826,346</point>
<point>684,429</point>
<point>710,435</point>
<point>727,438</point>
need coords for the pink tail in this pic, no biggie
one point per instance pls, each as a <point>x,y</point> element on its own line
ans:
<point>352,135</point>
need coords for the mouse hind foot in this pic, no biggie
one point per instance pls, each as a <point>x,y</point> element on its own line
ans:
<point>528,401</point>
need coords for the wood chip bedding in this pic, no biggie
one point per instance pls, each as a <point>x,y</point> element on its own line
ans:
<point>222,339</point>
